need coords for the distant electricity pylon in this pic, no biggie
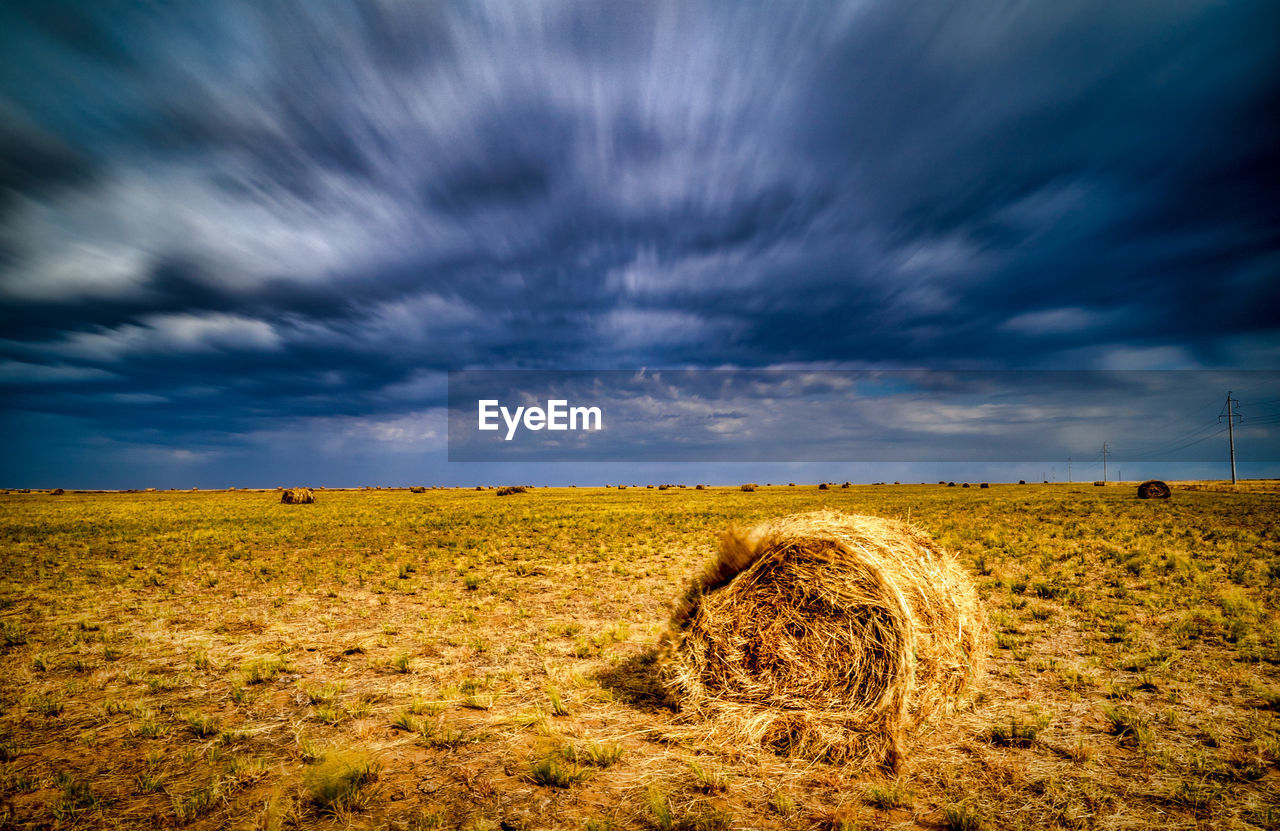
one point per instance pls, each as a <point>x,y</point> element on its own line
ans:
<point>1105,451</point>
<point>1229,412</point>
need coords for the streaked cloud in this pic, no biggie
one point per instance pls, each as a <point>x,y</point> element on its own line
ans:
<point>314,210</point>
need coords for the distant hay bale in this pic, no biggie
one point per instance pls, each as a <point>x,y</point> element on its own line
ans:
<point>622,487</point>
<point>965,485</point>
<point>507,490</point>
<point>749,487</point>
<point>984,485</point>
<point>297,496</point>
<point>951,484</point>
<point>1022,481</point>
<point>663,487</point>
<point>417,489</point>
<point>846,484</point>
<point>823,486</point>
<point>824,635</point>
<point>57,492</point>
<point>1153,489</point>
<point>699,487</point>
<point>1099,484</point>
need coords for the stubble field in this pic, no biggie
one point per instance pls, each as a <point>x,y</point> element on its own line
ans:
<point>455,659</point>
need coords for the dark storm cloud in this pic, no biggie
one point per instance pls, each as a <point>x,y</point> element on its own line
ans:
<point>309,209</point>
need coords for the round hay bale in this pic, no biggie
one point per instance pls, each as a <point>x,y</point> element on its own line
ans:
<point>965,485</point>
<point>297,496</point>
<point>951,484</point>
<point>823,486</point>
<point>417,489</point>
<point>825,635</point>
<point>984,485</point>
<point>1022,481</point>
<point>1099,484</point>
<point>1153,489</point>
<point>57,492</point>
<point>699,487</point>
<point>749,487</point>
<point>507,490</point>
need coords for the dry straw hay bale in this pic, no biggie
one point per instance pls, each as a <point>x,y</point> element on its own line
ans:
<point>507,490</point>
<point>57,492</point>
<point>297,496</point>
<point>1153,489</point>
<point>826,636</point>
<point>749,487</point>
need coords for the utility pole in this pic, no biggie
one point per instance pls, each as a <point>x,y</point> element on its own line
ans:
<point>1069,479</point>
<point>1104,461</point>
<point>1231,433</point>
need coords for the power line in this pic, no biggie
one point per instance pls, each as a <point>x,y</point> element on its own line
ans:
<point>1173,449</point>
<point>1156,448</point>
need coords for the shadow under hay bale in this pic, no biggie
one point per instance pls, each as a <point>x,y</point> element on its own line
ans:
<point>637,681</point>
<point>297,496</point>
<point>826,636</point>
<point>1153,489</point>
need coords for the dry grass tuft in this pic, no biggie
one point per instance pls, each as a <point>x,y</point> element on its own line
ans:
<point>336,782</point>
<point>1153,489</point>
<point>297,496</point>
<point>825,635</point>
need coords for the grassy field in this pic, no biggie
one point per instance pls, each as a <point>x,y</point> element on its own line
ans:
<point>455,659</point>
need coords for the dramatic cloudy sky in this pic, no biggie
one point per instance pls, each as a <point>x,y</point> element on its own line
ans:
<point>241,243</point>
